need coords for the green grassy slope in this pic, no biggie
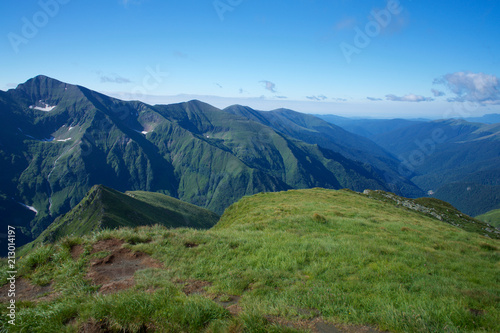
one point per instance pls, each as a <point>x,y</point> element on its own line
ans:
<point>439,210</point>
<point>292,257</point>
<point>492,217</point>
<point>105,208</point>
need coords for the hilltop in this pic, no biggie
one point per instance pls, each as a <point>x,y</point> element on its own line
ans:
<point>302,260</point>
<point>105,208</point>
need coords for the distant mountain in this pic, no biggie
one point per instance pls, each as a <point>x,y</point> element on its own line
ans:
<point>105,208</point>
<point>57,140</point>
<point>493,118</point>
<point>369,127</point>
<point>457,160</point>
<point>314,130</point>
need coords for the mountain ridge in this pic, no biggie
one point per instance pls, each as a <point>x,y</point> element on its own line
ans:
<point>62,139</point>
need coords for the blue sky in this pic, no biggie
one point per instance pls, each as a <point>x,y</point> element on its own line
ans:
<point>417,59</point>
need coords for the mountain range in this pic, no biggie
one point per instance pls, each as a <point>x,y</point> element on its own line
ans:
<point>58,140</point>
<point>454,160</point>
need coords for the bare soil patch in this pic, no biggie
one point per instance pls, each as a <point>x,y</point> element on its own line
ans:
<point>194,286</point>
<point>93,327</point>
<point>25,291</point>
<point>116,271</point>
<point>76,251</point>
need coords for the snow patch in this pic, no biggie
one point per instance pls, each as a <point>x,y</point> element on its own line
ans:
<point>64,140</point>
<point>33,209</point>
<point>46,108</point>
<point>143,132</point>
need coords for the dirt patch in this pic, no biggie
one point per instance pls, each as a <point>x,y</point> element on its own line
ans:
<point>194,286</point>
<point>190,245</point>
<point>93,327</point>
<point>116,271</point>
<point>234,309</point>
<point>25,291</point>
<point>477,312</point>
<point>76,251</point>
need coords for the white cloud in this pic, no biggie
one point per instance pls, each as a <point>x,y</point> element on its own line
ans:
<point>408,98</point>
<point>374,99</point>
<point>268,85</point>
<point>472,87</point>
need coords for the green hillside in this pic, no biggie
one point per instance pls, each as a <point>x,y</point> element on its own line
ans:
<point>191,151</point>
<point>105,208</point>
<point>314,130</point>
<point>298,261</point>
<point>439,210</point>
<point>492,217</point>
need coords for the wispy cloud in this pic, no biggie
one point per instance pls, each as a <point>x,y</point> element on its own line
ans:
<point>281,97</point>
<point>268,85</point>
<point>437,93</point>
<point>339,99</point>
<point>218,85</point>
<point>113,78</point>
<point>317,97</point>
<point>472,87</point>
<point>374,99</point>
<point>408,98</point>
